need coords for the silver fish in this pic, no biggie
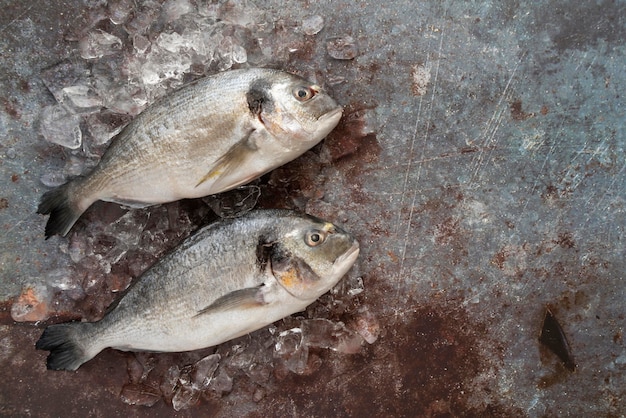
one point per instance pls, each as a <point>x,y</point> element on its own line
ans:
<point>212,135</point>
<point>229,279</point>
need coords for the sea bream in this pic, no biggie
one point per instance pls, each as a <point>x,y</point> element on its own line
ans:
<point>210,136</point>
<point>229,279</point>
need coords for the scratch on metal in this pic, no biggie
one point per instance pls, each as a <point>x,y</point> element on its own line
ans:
<point>420,161</point>
<point>492,127</point>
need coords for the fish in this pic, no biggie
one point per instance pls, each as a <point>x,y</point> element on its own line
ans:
<point>232,277</point>
<point>210,136</point>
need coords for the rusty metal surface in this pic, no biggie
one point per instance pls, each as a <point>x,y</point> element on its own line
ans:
<point>480,163</point>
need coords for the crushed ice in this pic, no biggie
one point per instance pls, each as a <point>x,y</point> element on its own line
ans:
<point>130,55</point>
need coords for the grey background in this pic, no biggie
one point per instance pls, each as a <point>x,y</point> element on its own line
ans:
<point>480,196</point>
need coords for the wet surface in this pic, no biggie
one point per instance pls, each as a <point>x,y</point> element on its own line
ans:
<point>480,163</point>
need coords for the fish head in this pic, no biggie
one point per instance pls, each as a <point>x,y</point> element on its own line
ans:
<point>312,257</point>
<point>298,113</point>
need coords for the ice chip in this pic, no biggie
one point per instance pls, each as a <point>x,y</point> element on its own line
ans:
<point>202,372</point>
<point>119,10</point>
<point>172,42</point>
<point>239,54</point>
<point>74,166</point>
<point>234,203</point>
<point>356,286</point>
<point>367,325</point>
<point>209,9</point>
<point>61,127</point>
<point>291,351</point>
<point>222,383</point>
<point>141,43</point>
<point>342,47</point>
<point>82,97</point>
<point>169,381</point>
<point>241,12</point>
<point>139,394</point>
<point>174,9</point>
<point>322,333</point>
<point>126,99</point>
<point>125,230</point>
<point>98,44</point>
<point>312,25</point>
<point>65,74</point>
<point>105,125</point>
<point>53,178</point>
<point>162,65</point>
<point>258,372</point>
<point>62,279</point>
<point>185,397</point>
<point>143,16</point>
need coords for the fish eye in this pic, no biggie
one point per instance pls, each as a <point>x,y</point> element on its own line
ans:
<point>304,93</point>
<point>315,238</point>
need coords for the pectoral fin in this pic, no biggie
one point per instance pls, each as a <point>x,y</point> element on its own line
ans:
<point>232,160</point>
<point>239,299</point>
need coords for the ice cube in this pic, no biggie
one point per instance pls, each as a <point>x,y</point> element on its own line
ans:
<point>82,97</point>
<point>143,16</point>
<point>65,74</point>
<point>312,25</point>
<point>203,370</point>
<point>222,383</point>
<point>185,397</point>
<point>105,125</point>
<point>140,394</point>
<point>291,351</point>
<point>323,333</point>
<point>172,42</point>
<point>63,279</point>
<point>209,9</point>
<point>342,47</point>
<point>356,287</point>
<point>61,127</point>
<point>239,54</point>
<point>169,381</point>
<point>141,43</point>
<point>53,178</point>
<point>367,325</point>
<point>119,10</point>
<point>241,12</point>
<point>98,44</point>
<point>174,9</point>
<point>162,65</point>
<point>126,98</point>
<point>234,203</point>
<point>74,166</point>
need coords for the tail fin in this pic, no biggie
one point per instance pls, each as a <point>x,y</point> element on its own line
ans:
<point>63,214</point>
<point>66,352</point>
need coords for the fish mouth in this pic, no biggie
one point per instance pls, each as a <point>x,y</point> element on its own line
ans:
<point>332,114</point>
<point>326,123</point>
<point>349,256</point>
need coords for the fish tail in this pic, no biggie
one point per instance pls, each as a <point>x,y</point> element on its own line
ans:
<point>64,343</point>
<point>63,213</point>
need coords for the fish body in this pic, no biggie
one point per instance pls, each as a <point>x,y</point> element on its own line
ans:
<point>210,136</point>
<point>229,279</point>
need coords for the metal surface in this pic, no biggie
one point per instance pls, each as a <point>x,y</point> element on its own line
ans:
<point>480,163</point>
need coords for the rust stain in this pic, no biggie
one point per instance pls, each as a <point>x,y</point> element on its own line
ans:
<point>517,113</point>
